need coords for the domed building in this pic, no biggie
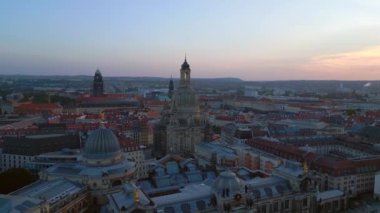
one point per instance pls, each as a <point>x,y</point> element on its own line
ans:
<point>184,129</point>
<point>103,166</point>
<point>102,147</point>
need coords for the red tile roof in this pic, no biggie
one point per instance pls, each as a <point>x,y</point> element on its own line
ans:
<point>36,108</point>
<point>332,166</point>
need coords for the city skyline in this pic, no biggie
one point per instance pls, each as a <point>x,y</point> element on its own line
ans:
<point>251,40</point>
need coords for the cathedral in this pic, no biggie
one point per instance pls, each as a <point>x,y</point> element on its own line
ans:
<point>184,126</point>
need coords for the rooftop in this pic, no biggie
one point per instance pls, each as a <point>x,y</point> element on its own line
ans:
<point>44,136</point>
<point>326,195</point>
<point>125,198</point>
<point>194,197</point>
<point>50,190</point>
<point>218,149</point>
<point>291,169</point>
<point>19,204</point>
<point>90,170</point>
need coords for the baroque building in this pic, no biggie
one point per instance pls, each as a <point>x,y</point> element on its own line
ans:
<point>184,127</point>
<point>103,167</point>
<point>102,170</point>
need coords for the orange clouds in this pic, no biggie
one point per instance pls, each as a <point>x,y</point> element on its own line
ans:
<point>356,65</point>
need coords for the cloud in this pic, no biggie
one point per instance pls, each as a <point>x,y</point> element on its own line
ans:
<point>362,64</point>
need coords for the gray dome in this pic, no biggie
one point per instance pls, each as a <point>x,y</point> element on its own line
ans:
<point>101,144</point>
<point>185,97</point>
<point>227,180</point>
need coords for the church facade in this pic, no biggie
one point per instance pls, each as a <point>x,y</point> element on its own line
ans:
<point>184,128</point>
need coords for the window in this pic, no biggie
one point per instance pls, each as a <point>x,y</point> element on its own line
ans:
<point>275,206</point>
<point>286,204</point>
<point>328,206</point>
<point>201,205</point>
<point>185,207</point>
<point>264,208</point>
<point>169,209</point>
<point>305,202</point>
<point>335,204</point>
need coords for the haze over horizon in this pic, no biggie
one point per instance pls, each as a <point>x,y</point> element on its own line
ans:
<point>250,40</point>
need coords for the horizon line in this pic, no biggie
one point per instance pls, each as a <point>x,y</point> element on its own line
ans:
<point>117,76</point>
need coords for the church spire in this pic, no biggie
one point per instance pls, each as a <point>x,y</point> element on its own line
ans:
<point>171,87</point>
<point>185,65</point>
<point>185,73</point>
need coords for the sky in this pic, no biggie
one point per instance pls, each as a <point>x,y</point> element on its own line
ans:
<point>252,40</point>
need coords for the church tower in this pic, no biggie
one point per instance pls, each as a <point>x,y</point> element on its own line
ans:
<point>185,74</point>
<point>171,88</point>
<point>98,89</point>
<point>185,129</point>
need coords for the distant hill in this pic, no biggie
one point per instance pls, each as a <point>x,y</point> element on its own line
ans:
<point>237,80</point>
<point>146,78</point>
<point>126,78</point>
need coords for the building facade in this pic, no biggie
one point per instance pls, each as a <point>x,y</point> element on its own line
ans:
<point>18,152</point>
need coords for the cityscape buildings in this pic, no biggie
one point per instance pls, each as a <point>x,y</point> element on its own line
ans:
<point>279,111</point>
<point>210,154</point>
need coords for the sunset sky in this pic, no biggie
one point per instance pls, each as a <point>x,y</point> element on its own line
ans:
<point>251,40</point>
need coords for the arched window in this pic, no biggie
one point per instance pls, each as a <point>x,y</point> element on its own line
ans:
<point>185,207</point>
<point>169,209</point>
<point>201,205</point>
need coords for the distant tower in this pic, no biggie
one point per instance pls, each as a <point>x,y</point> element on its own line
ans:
<point>98,89</point>
<point>171,88</point>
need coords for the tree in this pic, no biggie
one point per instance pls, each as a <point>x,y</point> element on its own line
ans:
<point>350,112</point>
<point>62,100</point>
<point>4,93</point>
<point>14,179</point>
<point>216,129</point>
<point>40,98</point>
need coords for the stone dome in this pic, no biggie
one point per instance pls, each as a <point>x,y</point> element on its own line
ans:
<point>185,97</point>
<point>227,180</point>
<point>101,144</point>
